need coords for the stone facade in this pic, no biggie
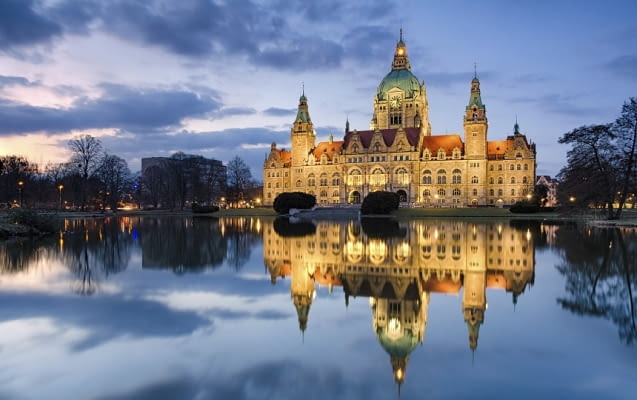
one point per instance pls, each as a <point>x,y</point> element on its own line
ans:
<point>399,154</point>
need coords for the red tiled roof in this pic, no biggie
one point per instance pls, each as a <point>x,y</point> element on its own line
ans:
<point>327,148</point>
<point>285,156</point>
<point>446,142</point>
<point>498,147</point>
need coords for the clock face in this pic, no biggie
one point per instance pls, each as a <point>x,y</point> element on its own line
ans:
<point>395,102</point>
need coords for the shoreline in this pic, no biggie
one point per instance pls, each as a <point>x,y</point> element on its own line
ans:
<point>628,220</point>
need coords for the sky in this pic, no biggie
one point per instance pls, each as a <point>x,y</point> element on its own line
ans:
<point>223,78</point>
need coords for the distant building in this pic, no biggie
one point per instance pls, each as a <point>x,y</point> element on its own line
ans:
<point>399,154</point>
<point>183,179</point>
<point>551,184</point>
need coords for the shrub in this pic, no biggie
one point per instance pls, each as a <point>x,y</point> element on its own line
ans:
<point>197,209</point>
<point>525,207</point>
<point>287,200</point>
<point>380,203</point>
<point>41,222</point>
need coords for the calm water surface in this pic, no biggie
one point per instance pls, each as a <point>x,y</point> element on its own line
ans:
<point>202,308</point>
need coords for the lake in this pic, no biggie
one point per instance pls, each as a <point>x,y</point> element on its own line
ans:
<point>262,308</point>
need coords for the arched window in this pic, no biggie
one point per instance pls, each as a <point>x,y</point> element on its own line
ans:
<point>323,180</point>
<point>426,193</point>
<point>456,179</point>
<point>519,167</point>
<point>323,193</point>
<point>512,192</point>
<point>377,147</point>
<point>355,178</point>
<point>491,192</point>
<point>336,179</point>
<point>511,167</point>
<point>311,181</point>
<point>500,167</point>
<point>491,181</point>
<point>513,180</point>
<point>526,167</point>
<point>456,153</point>
<point>298,183</point>
<point>474,179</point>
<point>442,178</point>
<point>378,177</point>
<point>426,177</point>
<point>441,154</point>
<point>426,155</point>
<point>401,176</point>
<point>525,179</point>
<point>500,180</point>
<point>441,192</point>
<point>500,192</point>
<point>475,192</point>
<point>456,192</point>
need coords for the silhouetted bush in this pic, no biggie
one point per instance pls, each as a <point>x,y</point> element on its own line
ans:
<point>380,203</point>
<point>197,209</point>
<point>525,207</point>
<point>288,200</point>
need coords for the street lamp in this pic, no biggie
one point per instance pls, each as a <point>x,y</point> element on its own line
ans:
<point>20,186</point>
<point>60,188</point>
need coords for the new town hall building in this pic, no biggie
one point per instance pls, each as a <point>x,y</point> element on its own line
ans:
<point>399,154</point>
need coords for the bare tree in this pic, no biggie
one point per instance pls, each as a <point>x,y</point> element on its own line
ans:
<point>114,177</point>
<point>602,163</point>
<point>239,178</point>
<point>86,155</point>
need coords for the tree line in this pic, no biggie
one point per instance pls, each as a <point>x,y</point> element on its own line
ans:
<point>601,169</point>
<point>94,179</point>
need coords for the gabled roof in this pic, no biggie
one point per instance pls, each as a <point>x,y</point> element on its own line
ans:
<point>328,148</point>
<point>499,147</point>
<point>285,156</point>
<point>389,135</point>
<point>447,142</point>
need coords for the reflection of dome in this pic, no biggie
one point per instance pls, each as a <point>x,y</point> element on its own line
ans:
<point>402,79</point>
<point>399,347</point>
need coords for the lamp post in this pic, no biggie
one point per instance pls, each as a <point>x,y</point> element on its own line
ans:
<point>20,188</point>
<point>60,188</point>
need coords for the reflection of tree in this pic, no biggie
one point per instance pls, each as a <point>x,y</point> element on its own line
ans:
<point>94,249</point>
<point>241,236</point>
<point>600,275</point>
<point>182,244</point>
<point>16,256</point>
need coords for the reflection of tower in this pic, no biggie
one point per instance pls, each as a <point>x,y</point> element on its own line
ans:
<point>303,292</point>
<point>473,294</point>
<point>399,326</point>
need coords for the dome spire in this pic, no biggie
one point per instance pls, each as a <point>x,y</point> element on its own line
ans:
<point>401,61</point>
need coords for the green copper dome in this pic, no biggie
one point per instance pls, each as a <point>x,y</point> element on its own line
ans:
<point>402,79</point>
<point>400,347</point>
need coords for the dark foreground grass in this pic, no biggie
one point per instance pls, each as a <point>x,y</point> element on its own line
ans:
<point>467,213</point>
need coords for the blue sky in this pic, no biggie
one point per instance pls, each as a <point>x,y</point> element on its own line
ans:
<point>222,78</point>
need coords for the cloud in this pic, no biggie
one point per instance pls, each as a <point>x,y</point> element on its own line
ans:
<point>106,317</point>
<point>270,33</point>
<point>279,112</point>
<point>119,107</point>
<point>21,25</point>
<point>559,104</point>
<point>625,66</point>
<point>14,81</point>
<point>277,379</point>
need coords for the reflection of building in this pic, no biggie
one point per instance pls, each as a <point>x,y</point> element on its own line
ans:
<point>398,274</point>
<point>399,153</point>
